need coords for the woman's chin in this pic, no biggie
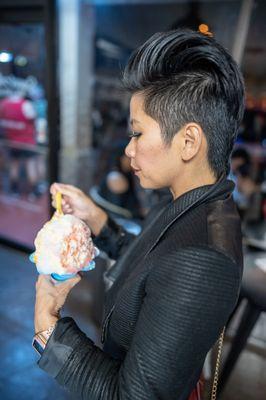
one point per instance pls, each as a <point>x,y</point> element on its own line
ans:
<point>147,184</point>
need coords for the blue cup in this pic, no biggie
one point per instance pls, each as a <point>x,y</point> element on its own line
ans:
<point>65,277</point>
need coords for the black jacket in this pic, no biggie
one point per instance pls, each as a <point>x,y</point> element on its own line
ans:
<point>174,289</point>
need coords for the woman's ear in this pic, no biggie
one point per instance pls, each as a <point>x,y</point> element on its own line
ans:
<point>192,136</point>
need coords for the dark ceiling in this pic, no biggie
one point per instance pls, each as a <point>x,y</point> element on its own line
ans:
<point>130,24</point>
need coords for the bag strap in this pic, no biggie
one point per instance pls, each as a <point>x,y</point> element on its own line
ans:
<point>217,366</point>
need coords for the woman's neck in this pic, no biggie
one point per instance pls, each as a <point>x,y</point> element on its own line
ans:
<point>187,182</point>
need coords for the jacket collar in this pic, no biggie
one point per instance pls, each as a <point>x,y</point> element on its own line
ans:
<point>154,231</point>
<point>193,198</point>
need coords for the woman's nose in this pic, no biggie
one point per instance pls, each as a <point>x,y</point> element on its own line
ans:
<point>130,149</point>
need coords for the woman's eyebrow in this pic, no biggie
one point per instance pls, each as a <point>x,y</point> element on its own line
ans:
<point>134,121</point>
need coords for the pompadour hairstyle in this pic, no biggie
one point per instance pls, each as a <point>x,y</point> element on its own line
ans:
<point>186,76</point>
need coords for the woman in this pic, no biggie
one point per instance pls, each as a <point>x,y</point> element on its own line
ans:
<point>172,288</point>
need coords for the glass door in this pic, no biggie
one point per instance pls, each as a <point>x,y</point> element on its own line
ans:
<point>26,168</point>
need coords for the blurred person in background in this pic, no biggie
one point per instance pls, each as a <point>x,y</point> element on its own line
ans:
<point>240,158</point>
<point>173,288</point>
<point>249,195</point>
<point>248,191</point>
<point>118,186</point>
<point>17,120</point>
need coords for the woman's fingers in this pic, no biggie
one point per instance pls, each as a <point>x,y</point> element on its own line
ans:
<point>74,281</point>
<point>63,201</point>
<point>67,190</point>
<point>54,188</point>
<point>67,210</point>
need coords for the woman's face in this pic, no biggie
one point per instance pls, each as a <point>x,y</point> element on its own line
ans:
<point>156,164</point>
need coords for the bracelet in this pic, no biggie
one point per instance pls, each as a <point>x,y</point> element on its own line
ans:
<point>40,339</point>
<point>47,332</point>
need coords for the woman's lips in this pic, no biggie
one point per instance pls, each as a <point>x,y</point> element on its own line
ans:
<point>135,169</point>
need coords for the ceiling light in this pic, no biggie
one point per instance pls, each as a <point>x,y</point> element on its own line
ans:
<point>5,57</point>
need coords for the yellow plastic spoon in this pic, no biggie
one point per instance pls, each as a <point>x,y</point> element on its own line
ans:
<point>58,203</point>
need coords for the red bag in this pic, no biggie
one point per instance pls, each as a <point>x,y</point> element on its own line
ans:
<point>197,393</point>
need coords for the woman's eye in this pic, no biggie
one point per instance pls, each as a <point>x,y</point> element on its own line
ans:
<point>134,134</point>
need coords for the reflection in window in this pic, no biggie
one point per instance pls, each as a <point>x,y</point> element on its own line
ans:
<point>23,132</point>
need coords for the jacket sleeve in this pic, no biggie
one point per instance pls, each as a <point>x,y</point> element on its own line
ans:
<point>113,239</point>
<point>189,297</point>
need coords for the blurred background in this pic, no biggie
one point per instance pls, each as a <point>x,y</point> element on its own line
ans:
<point>64,117</point>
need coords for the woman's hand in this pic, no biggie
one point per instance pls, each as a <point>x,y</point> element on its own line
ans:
<point>75,202</point>
<point>50,298</point>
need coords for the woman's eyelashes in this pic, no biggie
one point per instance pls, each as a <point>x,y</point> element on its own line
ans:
<point>133,134</point>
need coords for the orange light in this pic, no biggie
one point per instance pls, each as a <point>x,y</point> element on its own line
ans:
<point>204,28</point>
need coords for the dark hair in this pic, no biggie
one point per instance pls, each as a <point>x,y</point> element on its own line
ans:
<point>186,76</point>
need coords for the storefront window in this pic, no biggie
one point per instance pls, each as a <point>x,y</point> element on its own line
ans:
<point>23,132</point>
